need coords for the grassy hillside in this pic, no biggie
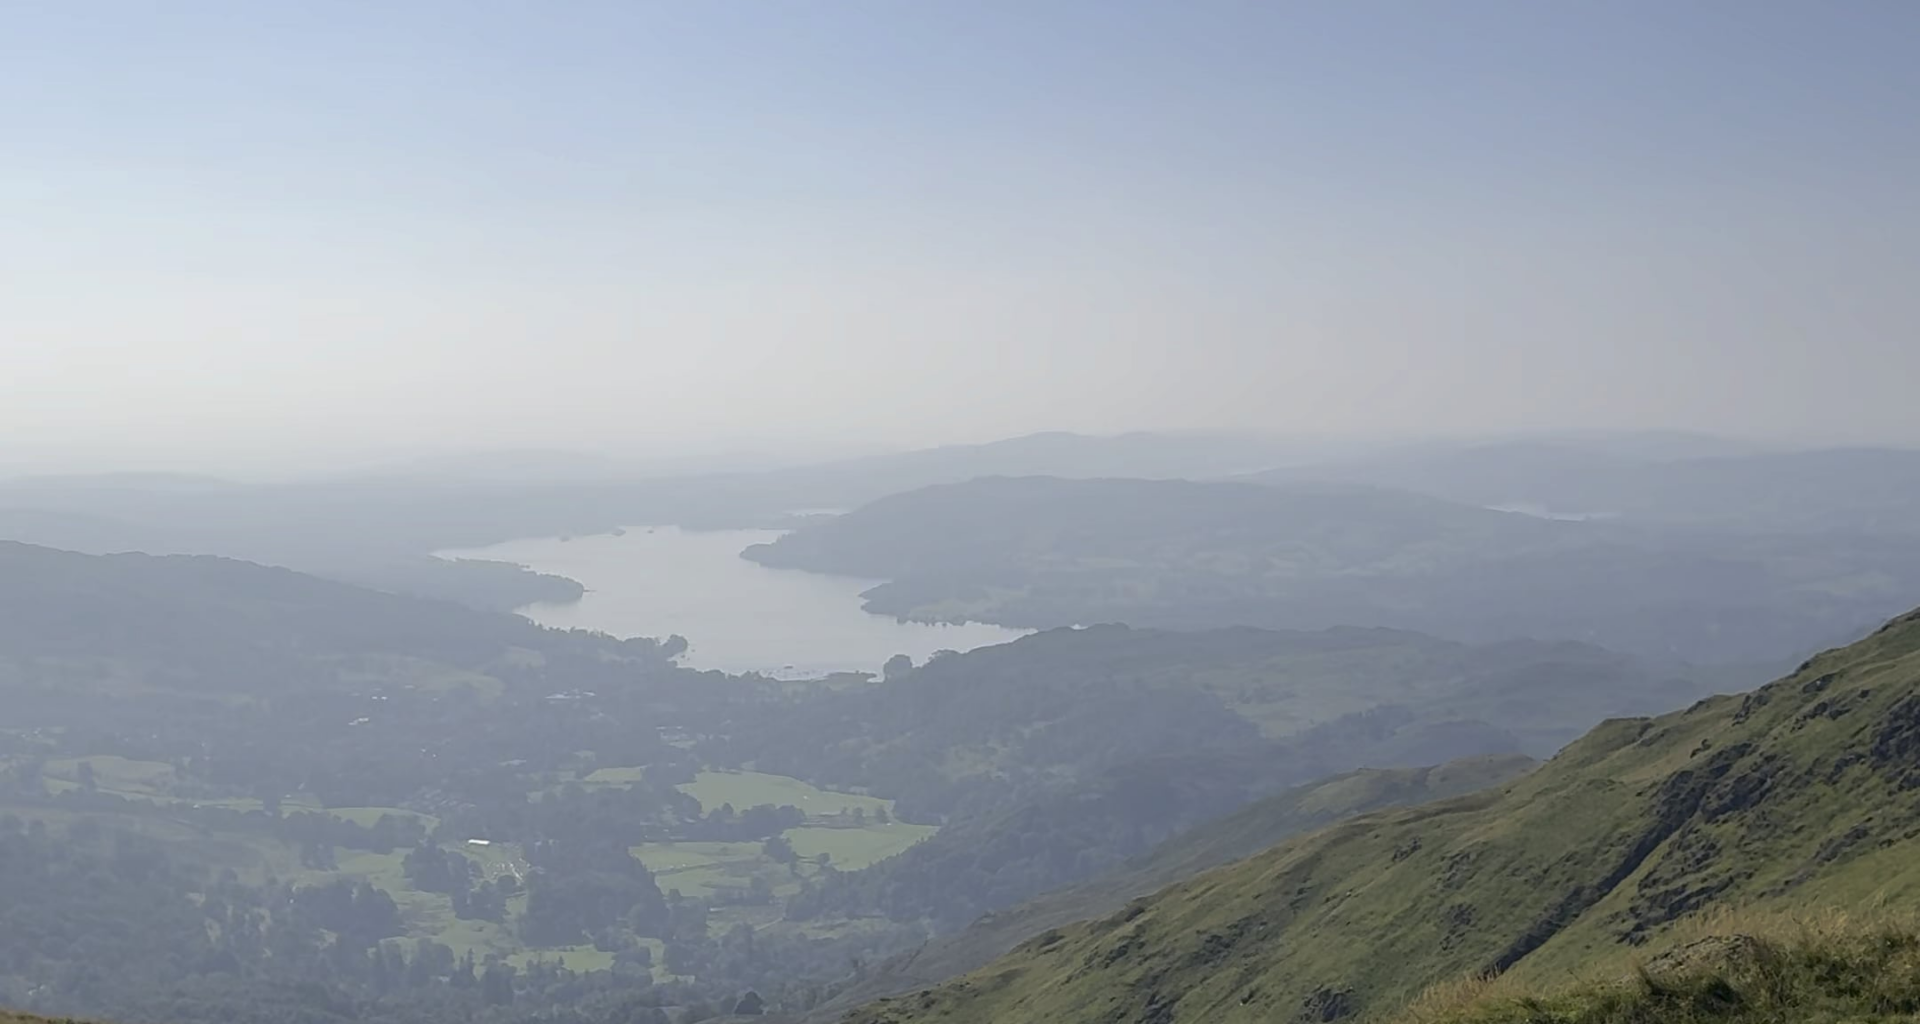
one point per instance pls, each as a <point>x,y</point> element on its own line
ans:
<point>1820,970</point>
<point>1800,794</point>
<point>1238,835</point>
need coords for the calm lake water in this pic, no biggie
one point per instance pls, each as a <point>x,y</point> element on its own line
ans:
<point>737,616</point>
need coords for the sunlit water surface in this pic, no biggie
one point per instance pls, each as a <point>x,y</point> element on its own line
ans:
<point>738,616</point>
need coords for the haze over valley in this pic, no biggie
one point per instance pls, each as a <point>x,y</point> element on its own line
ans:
<point>959,513</point>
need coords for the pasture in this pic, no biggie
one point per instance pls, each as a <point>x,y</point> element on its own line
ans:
<point>751,789</point>
<point>851,849</point>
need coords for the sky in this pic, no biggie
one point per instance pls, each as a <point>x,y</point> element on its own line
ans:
<point>261,232</point>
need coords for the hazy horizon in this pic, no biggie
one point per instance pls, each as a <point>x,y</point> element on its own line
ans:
<point>674,511</point>
<point>252,239</point>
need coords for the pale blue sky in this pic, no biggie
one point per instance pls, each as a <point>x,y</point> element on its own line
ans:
<point>235,231</point>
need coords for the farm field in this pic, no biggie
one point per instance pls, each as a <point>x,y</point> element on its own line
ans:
<point>751,789</point>
<point>741,881</point>
<point>851,849</point>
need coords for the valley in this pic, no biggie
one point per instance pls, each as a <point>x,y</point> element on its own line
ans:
<point>710,783</point>
<point>959,513</point>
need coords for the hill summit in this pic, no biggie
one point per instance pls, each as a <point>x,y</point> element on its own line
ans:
<point>1802,794</point>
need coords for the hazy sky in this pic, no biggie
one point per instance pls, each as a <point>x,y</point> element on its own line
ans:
<point>234,230</point>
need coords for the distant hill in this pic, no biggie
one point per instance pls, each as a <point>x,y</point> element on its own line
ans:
<point>1138,454</point>
<point>1793,797</point>
<point>197,610</point>
<point>1044,552</point>
<point>1860,489</point>
<point>1239,835</point>
<point>378,528</point>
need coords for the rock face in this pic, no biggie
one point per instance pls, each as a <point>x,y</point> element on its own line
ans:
<point>1797,794</point>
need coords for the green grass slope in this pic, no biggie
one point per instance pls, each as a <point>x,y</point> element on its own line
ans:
<point>1803,793</point>
<point>1809,974</point>
<point>1239,835</point>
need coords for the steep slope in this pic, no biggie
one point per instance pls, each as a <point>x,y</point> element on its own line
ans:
<point>1797,794</point>
<point>1860,970</point>
<point>1238,835</point>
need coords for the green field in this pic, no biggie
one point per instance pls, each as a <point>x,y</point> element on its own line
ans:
<point>751,789</point>
<point>253,857</point>
<point>609,777</point>
<point>576,958</point>
<point>154,781</point>
<point>853,848</point>
<point>135,780</point>
<point>704,869</point>
<point>725,872</point>
<point>369,816</point>
<point>410,673</point>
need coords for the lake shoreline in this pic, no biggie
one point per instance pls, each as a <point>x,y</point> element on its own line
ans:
<point>736,614</point>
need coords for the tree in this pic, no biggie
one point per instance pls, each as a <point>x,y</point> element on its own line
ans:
<point>496,985</point>
<point>896,666</point>
<point>779,850</point>
<point>750,1005</point>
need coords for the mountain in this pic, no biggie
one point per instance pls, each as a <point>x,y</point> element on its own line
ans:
<point>1238,835</point>
<point>1042,552</point>
<point>1797,795</point>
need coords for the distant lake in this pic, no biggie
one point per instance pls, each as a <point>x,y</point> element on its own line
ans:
<point>737,616</point>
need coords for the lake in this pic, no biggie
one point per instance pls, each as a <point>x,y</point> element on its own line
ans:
<point>737,616</point>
